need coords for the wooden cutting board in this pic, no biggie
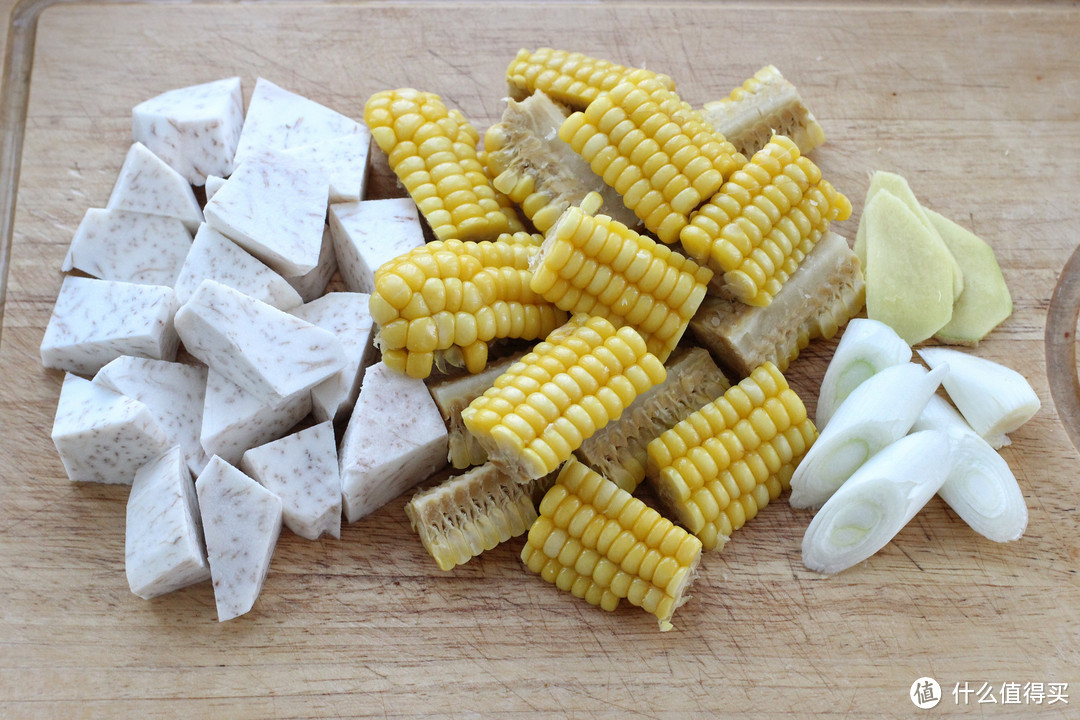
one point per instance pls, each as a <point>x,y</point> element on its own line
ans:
<point>978,106</point>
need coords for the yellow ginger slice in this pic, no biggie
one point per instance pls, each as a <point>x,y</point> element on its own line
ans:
<point>537,170</point>
<point>617,451</point>
<point>467,514</point>
<point>762,223</point>
<point>654,149</point>
<point>593,264</point>
<point>432,150</point>
<point>909,279</point>
<point>571,78</point>
<point>596,541</point>
<point>445,301</point>
<point>580,378</point>
<point>763,106</point>
<point>452,395</point>
<point>824,293</point>
<point>717,468</point>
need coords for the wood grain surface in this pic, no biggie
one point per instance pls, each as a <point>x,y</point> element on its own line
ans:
<point>979,107</point>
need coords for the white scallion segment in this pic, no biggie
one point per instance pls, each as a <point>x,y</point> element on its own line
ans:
<point>147,185</point>
<point>313,283</point>
<point>370,232</point>
<point>281,120</point>
<point>194,129</point>
<point>866,348</point>
<point>877,413</point>
<point>129,247</point>
<point>163,537</point>
<point>344,161</point>
<point>877,502</point>
<point>215,257</point>
<point>347,316</point>
<point>96,321</point>
<point>241,522</point>
<point>103,436</point>
<point>302,469</point>
<point>395,439</point>
<point>275,208</point>
<point>981,488</point>
<point>269,353</point>
<point>994,399</point>
<point>234,420</point>
<point>173,393</point>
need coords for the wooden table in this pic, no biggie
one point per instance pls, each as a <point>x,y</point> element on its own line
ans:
<point>977,106</point>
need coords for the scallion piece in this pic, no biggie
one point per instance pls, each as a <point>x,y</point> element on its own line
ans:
<point>877,502</point>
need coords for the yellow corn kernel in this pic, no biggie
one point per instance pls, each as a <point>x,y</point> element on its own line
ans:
<point>597,265</point>
<point>568,77</point>
<point>455,298</point>
<point>765,219</point>
<point>667,163</point>
<point>638,554</point>
<point>536,414</point>
<point>431,148</point>
<point>715,469</point>
<point>466,514</point>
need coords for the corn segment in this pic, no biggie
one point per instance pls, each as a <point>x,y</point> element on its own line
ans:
<point>762,223</point>
<point>714,470</point>
<point>764,105</point>
<point>544,406</point>
<point>617,450</point>
<point>432,150</point>
<point>654,149</point>
<point>595,265</point>
<point>467,514</point>
<point>449,299</point>
<point>599,543</point>
<point>568,77</point>
<point>824,293</point>
<point>530,164</point>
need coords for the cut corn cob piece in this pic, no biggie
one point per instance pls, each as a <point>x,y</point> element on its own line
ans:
<point>617,451</point>
<point>467,514</point>
<point>654,149</point>
<point>764,221</point>
<point>432,150</point>
<point>576,381</point>
<point>568,77</point>
<point>537,170</point>
<point>764,105</point>
<point>593,264</point>
<point>445,301</point>
<point>452,395</point>
<point>596,541</point>
<point>717,468</point>
<point>824,293</point>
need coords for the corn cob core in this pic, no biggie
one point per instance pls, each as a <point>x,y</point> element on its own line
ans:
<point>537,170</point>
<point>596,541</point>
<point>541,409</point>
<point>764,105</point>
<point>452,296</point>
<point>467,514</point>
<point>432,150</point>
<point>718,467</point>
<point>763,221</point>
<point>568,77</point>
<point>617,450</point>
<point>593,264</point>
<point>654,149</point>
